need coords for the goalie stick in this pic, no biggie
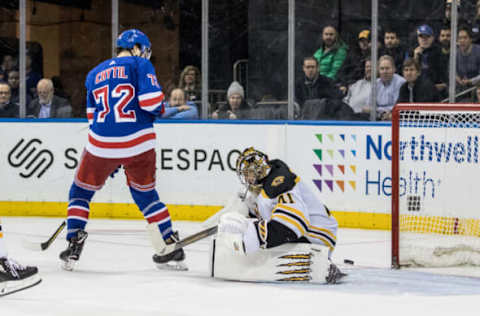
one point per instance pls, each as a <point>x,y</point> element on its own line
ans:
<point>36,246</point>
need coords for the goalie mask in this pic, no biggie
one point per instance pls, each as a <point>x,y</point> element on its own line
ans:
<point>252,168</point>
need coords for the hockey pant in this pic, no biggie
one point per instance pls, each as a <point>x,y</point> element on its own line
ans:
<point>91,175</point>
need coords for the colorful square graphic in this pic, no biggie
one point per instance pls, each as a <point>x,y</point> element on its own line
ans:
<point>335,165</point>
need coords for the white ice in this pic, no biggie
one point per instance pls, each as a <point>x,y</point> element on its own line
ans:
<point>116,276</point>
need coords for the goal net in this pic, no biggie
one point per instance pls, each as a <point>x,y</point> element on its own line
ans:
<point>435,185</point>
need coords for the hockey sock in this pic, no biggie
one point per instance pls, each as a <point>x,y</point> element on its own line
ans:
<point>153,210</point>
<point>78,209</point>
<point>3,247</point>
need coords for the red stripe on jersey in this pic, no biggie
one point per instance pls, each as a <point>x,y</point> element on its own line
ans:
<point>77,212</point>
<point>159,217</point>
<point>152,101</point>
<point>127,144</point>
<point>89,116</point>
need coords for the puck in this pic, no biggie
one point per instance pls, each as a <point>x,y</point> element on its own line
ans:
<point>348,261</point>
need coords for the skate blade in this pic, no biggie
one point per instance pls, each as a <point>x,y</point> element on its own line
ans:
<point>15,286</point>
<point>172,266</point>
<point>69,265</point>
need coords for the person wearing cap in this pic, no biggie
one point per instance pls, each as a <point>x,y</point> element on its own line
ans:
<point>352,69</point>
<point>429,56</point>
<point>236,106</point>
<point>332,53</point>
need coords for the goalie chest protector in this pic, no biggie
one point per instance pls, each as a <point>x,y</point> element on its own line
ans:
<point>279,180</point>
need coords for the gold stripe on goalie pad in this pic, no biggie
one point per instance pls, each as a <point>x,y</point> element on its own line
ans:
<point>440,225</point>
<point>298,271</point>
<point>296,279</point>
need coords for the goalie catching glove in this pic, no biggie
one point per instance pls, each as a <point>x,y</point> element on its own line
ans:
<point>244,228</point>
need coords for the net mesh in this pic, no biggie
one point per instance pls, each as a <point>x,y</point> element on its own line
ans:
<point>439,220</point>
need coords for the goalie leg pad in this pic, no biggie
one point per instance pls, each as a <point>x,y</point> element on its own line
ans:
<point>291,262</point>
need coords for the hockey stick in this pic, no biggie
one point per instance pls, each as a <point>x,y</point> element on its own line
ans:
<point>44,245</point>
<point>188,240</point>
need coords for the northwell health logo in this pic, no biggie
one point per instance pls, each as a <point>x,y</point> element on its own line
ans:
<point>335,168</point>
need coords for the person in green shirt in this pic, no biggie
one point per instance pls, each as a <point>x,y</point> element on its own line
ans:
<point>332,53</point>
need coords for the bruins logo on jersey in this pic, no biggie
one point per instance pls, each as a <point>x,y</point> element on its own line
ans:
<point>277,181</point>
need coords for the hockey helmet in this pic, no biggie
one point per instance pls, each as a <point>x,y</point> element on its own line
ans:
<point>252,167</point>
<point>129,38</point>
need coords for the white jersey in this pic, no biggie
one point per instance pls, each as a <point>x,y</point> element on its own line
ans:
<point>300,211</point>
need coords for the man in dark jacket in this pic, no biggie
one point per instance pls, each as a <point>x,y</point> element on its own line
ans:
<point>7,108</point>
<point>416,88</point>
<point>313,85</point>
<point>48,105</point>
<point>429,56</point>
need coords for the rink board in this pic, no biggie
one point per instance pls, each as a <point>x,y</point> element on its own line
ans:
<point>347,164</point>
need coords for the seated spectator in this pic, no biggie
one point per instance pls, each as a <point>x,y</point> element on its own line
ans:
<point>468,59</point>
<point>8,63</point>
<point>331,54</point>
<point>444,40</point>
<point>236,106</point>
<point>351,69</point>
<point>32,77</point>
<point>7,108</point>
<point>48,105</point>
<point>58,89</point>
<point>314,85</point>
<point>358,96</point>
<point>191,83</point>
<point>14,82</point>
<point>416,89</point>
<point>388,87</point>
<point>429,56</point>
<point>178,108</point>
<point>392,47</point>
<point>476,24</point>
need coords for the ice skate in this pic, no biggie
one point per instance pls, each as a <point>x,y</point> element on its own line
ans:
<point>334,274</point>
<point>15,277</point>
<point>173,260</point>
<point>71,255</point>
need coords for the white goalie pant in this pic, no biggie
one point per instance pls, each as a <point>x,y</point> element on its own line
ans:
<point>292,262</point>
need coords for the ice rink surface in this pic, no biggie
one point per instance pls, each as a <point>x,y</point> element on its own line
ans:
<point>116,276</point>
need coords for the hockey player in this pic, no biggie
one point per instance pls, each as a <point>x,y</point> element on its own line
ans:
<point>13,276</point>
<point>123,99</point>
<point>284,211</point>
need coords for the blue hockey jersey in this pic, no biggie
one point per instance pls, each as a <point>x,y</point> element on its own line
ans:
<point>123,99</point>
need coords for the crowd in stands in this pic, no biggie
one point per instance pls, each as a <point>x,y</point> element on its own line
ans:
<point>335,82</point>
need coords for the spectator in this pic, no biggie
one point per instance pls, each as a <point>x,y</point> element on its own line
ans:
<point>331,54</point>
<point>429,56</point>
<point>8,63</point>
<point>58,89</point>
<point>468,59</point>
<point>351,69</point>
<point>476,24</point>
<point>7,108</point>
<point>388,87</point>
<point>236,106</point>
<point>178,108</point>
<point>14,82</point>
<point>358,96</point>
<point>314,85</point>
<point>392,47</point>
<point>191,83</point>
<point>32,77</point>
<point>48,105</point>
<point>416,89</point>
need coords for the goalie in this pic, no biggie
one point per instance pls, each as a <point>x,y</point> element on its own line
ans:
<point>289,235</point>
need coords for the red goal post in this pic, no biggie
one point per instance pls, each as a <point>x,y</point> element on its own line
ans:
<point>435,196</point>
